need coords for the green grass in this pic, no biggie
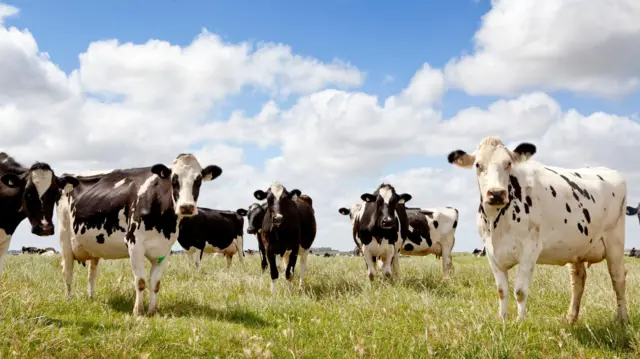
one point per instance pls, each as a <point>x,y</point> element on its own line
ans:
<point>340,314</point>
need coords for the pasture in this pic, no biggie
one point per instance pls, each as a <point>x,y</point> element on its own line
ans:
<point>340,314</point>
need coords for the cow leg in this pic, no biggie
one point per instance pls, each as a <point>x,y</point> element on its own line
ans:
<point>395,264</point>
<point>370,260</point>
<point>273,267</point>
<point>66,255</point>
<point>578,278</point>
<point>388,260</point>
<point>190,255</point>
<point>446,262</point>
<point>239,247</point>
<point>502,283</point>
<point>229,257</point>
<point>618,273</point>
<point>5,241</point>
<point>154,281</point>
<point>291,265</point>
<point>136,256</point>
<point>523,280</point>
<point>93,274</point>
<point>263,256</point>
<point>304,254</point>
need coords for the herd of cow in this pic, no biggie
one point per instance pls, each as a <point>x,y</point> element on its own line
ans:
<point>528,214</point>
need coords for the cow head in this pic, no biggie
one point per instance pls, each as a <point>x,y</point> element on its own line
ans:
<point>350,212</point>
<point>386,202</point>
<point>40,189</point>
<point>279,200</point>
<point>255,215</point>
<point>186,176</point>
<point>494,163</point>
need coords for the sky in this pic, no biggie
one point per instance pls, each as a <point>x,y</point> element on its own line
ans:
<point>332,98</point>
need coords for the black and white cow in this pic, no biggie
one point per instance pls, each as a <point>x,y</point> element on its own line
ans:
<point>212,231</point>
<point>27,193</point>
<point>130,213</point>
<point>430,231</point>
<point>255,216</point>
<point>532,214</point>
<point>380,225</point>
<point>479,253</point>
<point>288,230</point>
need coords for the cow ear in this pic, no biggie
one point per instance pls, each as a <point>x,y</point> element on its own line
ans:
<point>404,198</point>
<point>295,193</point>
<point>631,211</point>
<point>524,151</point>
<point>161,170</point>
<point>260,195</point>
<point>12,181</point>
<point>461,159</point>
<point>241,211</point>
<point>211,172</point>
<point>368,197</point>
<point>344,211</point>
<point>67,183</point>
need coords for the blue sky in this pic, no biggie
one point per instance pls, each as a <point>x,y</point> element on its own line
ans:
<point>389,41</point>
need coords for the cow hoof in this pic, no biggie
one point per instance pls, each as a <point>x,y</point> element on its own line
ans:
<point>152,312</point>
<point>571,319</point>
<point>371,276</point>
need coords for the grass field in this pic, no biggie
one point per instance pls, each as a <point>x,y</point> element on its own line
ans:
<point>340,314</point>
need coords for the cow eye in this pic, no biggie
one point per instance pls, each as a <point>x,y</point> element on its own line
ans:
<point>508,165</point>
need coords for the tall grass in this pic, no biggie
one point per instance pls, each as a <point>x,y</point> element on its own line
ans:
<point>339,313</point>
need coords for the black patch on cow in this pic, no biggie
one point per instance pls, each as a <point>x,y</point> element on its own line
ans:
<point>565,220</point>
<point>586,231</point>
<point>528,200</point>
<point>553,191</point>
<point>100,238</point>
<point>420,227</point>
<point>586,215</point>
<point>601,179</point>
<point>518,219</point>
<point>455,223</point>
<point>580,228</point>
<point>568,208</point>
<point>577,174</point>
<point>513,216</point>
<point>130,236</point>
<point>217,227</point>
<point>517,208</point>
<point>613,194</point>
<point>517,190</point>
<point>428,214</point>
<point>503,210</point>
<point>526,208</point>
<point>408,247</point>
<point>435,224</point>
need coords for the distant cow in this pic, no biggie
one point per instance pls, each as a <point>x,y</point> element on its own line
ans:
<point>34,250</point>
<point>212,231</point>
<point>27,193</point>
<point>380,226</point>
<point>130,213</point>
<point>531,213</point>
<point>255,216</point>
<point>633,252</point>
<point>288,230</point>
<point>430,231</point>
<point>479,253</point>
<point>357,252</point>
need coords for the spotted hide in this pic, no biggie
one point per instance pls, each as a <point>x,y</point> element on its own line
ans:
<point>255,215</point>
<point>380,226</point>
<point>130,213</point>
<point>288,230</point>
<point>531,213</point>
<point>430,231</point>
<point>212,231</point>
<point>27,193</point>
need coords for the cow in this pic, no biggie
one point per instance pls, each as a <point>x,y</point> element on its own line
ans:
<point>531,213</point>
<point>130,213</point>
<point>288,230</point>
<point>255,215</point>
<point>212,231</point>
<point>430,231</point>
<point>633,252</point>
<point>28,193</point>
<point>33,250</point>
<point>380,225</point>
<point>479,253</point>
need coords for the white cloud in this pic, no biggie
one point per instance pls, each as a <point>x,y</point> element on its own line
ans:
<point>586,46</point>
<point>139,104</point>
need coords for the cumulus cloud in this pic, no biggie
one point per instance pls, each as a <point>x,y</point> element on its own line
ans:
<point>139,104</point>
<point>586,46</point>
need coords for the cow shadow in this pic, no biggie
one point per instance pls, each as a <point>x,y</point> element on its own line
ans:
<point>83,326</point>
<point>607,334</point>
<point>190,308</point>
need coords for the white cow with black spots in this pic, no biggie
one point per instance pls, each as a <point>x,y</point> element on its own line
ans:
<point>531,213</point>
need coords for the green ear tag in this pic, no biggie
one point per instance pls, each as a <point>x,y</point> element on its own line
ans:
<point>160,259</point>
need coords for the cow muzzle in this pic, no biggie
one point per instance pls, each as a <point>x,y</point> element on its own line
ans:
<point>43,230</point>
<point>278,219</point>
<point>496,197</point>
<point>187,210</point>
<point>386,222</point>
